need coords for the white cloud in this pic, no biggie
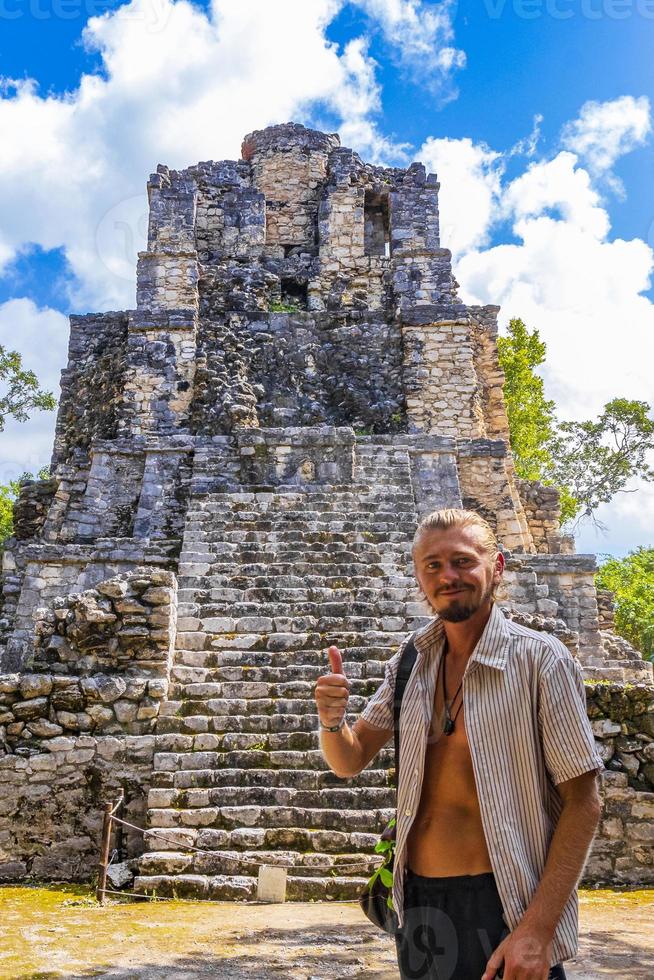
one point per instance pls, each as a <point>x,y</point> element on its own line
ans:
<point>41,336</point>
<point>470,176</point>
<point>564,273</point>
<point>628,521</point>
<point>421,34</point>
<point>178,85</point>
<point>605,131</point>
<point>557,185</point>
<point>577,286</point>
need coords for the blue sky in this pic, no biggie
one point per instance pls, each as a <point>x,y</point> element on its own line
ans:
<point>558,228</point>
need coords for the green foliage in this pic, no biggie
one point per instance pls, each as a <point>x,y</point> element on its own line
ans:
<point>20,393</point>
<point>531,416</point>
<point>631,579</point>
<point>588,462</point>
<point>283,308</point>
<point>596,460</point>
<point>8,495</point>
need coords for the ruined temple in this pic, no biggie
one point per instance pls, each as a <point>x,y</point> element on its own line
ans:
<point>239,466</point>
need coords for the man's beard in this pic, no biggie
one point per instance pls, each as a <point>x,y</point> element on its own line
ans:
<point>460,610</point>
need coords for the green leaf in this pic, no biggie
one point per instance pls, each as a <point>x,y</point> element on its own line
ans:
<point>386,877</point>
<point>383,845</point>
<point>373,879</point>
<point>389,901</point>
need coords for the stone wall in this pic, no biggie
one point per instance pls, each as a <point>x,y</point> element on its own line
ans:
<point>288,369</point>
<point>51,803</point>
<point>543,510</point>
<point>92,384</point>
<point>487,487</point>
<point>101,662</point>
<point>442,393</point>
<point>124,623</point>
<point>622,718</point>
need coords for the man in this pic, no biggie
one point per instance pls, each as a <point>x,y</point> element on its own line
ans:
<point>497,796</point>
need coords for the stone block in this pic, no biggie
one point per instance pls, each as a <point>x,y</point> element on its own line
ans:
<point>35,685</point>
<point>41,728</point>
<point>27,710</point>
<point>103,688</point>
<point>271,884</point>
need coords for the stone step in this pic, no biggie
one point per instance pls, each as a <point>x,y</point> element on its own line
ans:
<point>347,520</point>
<point>225,862</point>
<point>276,641</point>
<point>225,571</point>
<point>183,677</point>
<point>289,750</point>
<point>205,586</point>
<point>256,692</point>
<point>244,888</point>
<point>301,536</point>
<point>299,618</point>
<point>335,797</point>
<point>244,709</point>
<point>308,779</point>
<point>278,602</point>
<point>273,839</point>
<point>230,817</point>
<point>353,654</point>
<point>223,723</point>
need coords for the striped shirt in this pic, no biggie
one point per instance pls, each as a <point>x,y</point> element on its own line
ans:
<point>527,728</point>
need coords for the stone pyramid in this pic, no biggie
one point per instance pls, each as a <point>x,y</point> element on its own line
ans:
<point>239,466</point>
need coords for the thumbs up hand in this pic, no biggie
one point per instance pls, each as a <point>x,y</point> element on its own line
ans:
<point>332,691</point>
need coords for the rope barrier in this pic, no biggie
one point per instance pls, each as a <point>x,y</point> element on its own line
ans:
<point>110,818</point>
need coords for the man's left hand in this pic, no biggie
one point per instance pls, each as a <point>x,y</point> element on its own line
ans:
<point>525,955</point>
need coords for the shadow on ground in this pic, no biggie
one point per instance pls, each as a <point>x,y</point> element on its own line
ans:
<point>296,954</point>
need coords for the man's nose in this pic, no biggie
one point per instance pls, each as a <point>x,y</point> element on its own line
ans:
<point>448,573</point>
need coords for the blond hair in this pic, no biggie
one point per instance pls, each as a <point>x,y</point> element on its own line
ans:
<point>445,520</point>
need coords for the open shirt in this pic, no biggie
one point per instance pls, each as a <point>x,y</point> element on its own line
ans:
<point>527,728</point>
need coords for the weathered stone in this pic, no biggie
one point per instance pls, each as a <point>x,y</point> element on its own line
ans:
<point>125,711</point>
<point>101,716</point>
<point>103,688</point>
<point>41,728</point>
<point>34,708</point>
<point>157,596</point>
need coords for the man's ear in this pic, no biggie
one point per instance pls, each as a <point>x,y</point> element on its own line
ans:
<point>499,563</point>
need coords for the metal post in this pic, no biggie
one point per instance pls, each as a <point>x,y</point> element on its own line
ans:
<point>104,853</point>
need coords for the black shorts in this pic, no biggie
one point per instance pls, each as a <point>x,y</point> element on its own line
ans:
<point>451,927</point>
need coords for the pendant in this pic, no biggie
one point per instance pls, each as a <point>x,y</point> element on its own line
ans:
<point>448,727</point>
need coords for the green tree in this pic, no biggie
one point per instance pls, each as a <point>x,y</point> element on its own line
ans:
<point>596,460</point>
<point>589,462</point>
<point>532,418</point>
<point>20,393</point>
<point>631,579</point>
<point>8,496</point>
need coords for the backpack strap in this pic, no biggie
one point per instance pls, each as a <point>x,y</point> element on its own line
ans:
<point>404,669</point>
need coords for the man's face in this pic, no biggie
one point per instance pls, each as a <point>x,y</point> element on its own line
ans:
<point>455,572</point>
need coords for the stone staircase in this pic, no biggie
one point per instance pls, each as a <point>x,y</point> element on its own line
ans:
<point>269,578</point>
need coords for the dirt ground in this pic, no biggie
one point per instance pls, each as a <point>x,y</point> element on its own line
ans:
<point>59,931</point>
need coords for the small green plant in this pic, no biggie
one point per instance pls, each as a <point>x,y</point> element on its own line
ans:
<point>275,307</point>
<point>385,872</point>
